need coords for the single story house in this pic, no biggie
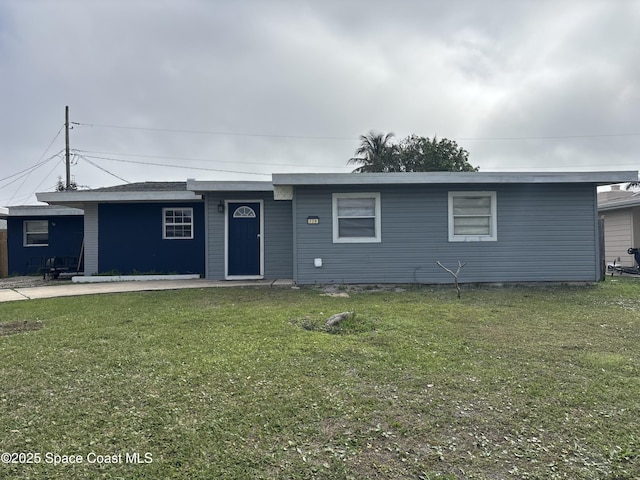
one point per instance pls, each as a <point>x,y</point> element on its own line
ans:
<point>620,210</point>
<point>351,228</point>
<point>37,232</point>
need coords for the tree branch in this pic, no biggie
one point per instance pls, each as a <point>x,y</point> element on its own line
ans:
<point>454,274</point>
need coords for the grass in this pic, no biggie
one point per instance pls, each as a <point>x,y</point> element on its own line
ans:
<point>512,382</point>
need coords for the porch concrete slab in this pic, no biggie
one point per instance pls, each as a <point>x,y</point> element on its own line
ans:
<point>69,290</point>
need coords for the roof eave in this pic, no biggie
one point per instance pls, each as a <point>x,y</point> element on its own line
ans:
<point>618,205</point>
<point>79,198</point>
<point>228,186</point>
<point>39,211</point>
<point>597,178</point>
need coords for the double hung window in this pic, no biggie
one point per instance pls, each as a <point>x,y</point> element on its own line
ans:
<point>36,233</point>
<point>356,217</point>
<point>472,217</point>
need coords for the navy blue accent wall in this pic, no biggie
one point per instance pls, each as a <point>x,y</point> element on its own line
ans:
<point>130,240</point>
<point>65,240</point>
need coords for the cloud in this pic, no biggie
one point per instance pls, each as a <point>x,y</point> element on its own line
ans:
<point>289,86</point>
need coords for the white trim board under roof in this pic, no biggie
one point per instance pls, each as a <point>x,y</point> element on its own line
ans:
<point>228,186</point>
<point>38,210</point>
<point>90,196</point>
<point>630,200</point>
<point>599,178</point>
<point>135,192</point>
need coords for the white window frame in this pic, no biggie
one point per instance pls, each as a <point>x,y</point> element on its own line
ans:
<point>166,224</point>
<point>493,236</point>
<point>377,238</point>
<point>26,233</point>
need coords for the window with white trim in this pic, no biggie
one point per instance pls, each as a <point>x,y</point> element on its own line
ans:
<point>473,217</point>
<point>36,233</point>
<point>177,223</point>
<point>356,217</point>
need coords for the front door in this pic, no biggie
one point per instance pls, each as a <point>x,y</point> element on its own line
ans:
<point>244,240</point>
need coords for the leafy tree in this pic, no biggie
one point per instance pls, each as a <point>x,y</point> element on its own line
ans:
<point>419,154</point>
<point>376,153</point>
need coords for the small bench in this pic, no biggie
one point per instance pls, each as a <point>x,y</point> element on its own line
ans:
<point>54,266</point>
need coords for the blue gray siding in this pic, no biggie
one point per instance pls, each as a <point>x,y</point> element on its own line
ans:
<point>546,232</point>
<point>278,234</point>
<point>130,239</point>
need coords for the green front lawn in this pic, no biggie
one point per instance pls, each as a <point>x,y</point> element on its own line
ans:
<point>243,383</point>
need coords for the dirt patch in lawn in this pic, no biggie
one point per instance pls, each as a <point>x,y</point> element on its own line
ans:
<point>11,328</point>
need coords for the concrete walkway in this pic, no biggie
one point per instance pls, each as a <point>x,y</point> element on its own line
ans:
<point>69,290</point>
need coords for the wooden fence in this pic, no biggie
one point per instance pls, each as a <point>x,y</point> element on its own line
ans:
<point>4,258</point>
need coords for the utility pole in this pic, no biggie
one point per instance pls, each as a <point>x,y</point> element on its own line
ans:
<point>67,154</point>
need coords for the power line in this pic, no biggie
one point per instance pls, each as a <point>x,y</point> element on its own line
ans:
<point>31,168</point>
<point>175,166</point>
<point>28,171</point>
<point>103,169</point>
<point>318,137</point>
<point>25,179</point>
<point>196,159</point>
<point>206,132</point>
<point>43,180</point>
<point>54,139</point>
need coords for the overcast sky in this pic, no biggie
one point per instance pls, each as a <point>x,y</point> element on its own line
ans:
<point>237,90</point>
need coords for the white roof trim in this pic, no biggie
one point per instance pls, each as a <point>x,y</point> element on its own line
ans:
<point>603,178</point>
<point>614,205</point>
<point>88,196</point>
<point>230,186</point>
<point>39,211</point>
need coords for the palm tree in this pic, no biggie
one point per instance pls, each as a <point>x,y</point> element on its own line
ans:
<point>375,153</point>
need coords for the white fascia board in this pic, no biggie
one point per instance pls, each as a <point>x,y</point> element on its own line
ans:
<point>599,178</point>
<point>80,197</point>
<point>40,211</point>
<point>621,204</point>
<point>4,212</point>
<point>229,186</point>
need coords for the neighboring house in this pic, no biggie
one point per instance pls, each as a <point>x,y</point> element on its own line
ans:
<point>38,232</point>
<point>147,227</point>
<point>351,228</point>
<point>620,210</point>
